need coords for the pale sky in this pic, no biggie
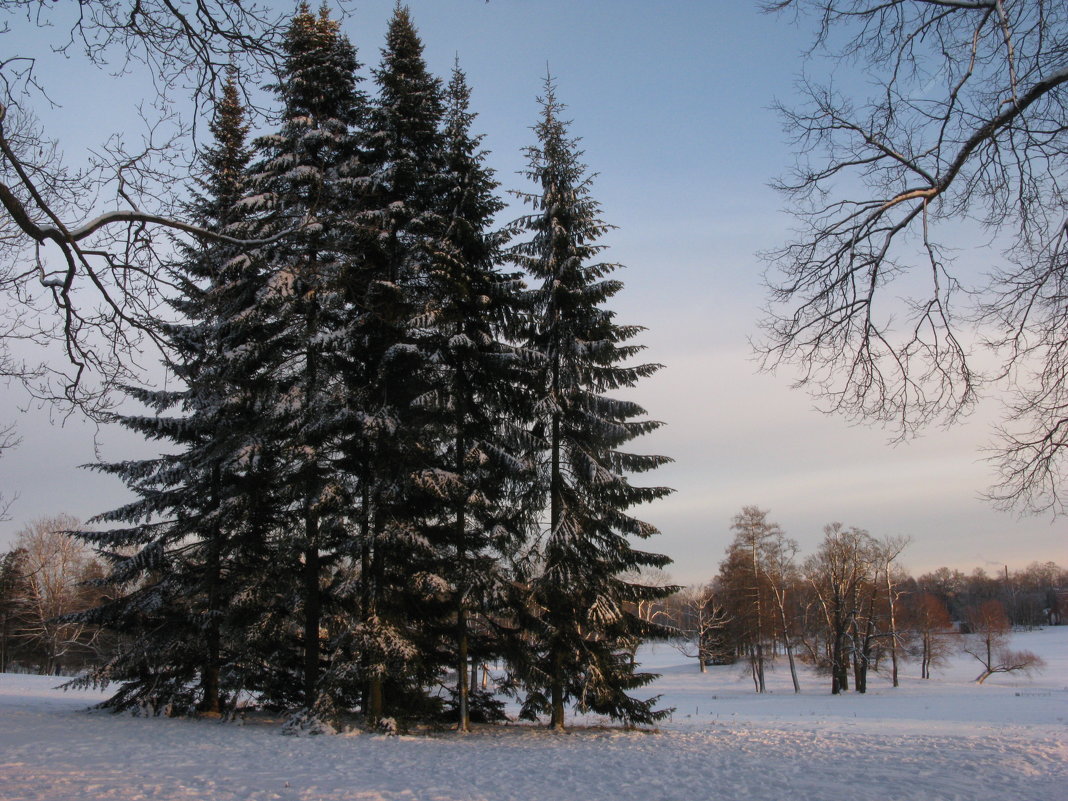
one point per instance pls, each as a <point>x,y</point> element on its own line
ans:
<point>672,101</point>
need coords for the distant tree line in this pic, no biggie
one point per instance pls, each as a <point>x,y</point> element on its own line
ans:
<point>393,453</point>
<point>850,608</point>
<point>47,576</point>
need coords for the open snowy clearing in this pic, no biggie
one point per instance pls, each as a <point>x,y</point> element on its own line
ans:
<point>940,739</point>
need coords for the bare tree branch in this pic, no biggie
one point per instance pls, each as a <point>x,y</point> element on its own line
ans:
<point>966,137</point>
<point>80,265</point>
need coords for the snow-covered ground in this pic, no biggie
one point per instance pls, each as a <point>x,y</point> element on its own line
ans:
<point>946,738</point>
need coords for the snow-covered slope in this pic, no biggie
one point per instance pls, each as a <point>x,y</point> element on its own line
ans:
<point>935,740</point>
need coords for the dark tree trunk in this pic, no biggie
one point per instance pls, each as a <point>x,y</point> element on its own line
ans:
<point>366,593</point>
<point>462,686</point>
<point>557,692</point>
<point>375,706</point>
<point>311,492</point>
<point>210,702</point>
<point>312,608</point>
<point>555,513</point>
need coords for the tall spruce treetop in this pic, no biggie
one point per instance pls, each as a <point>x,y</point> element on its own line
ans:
<point>584,618</point>
<point>398,222</point>
<point>473,307</point>
<point>306,164</point>
<point>404,138</point>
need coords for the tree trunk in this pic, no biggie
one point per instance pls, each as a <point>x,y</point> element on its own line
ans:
<point>366,602</point>
<point>556,680</point>
<point>375,693</point>
<point>758,650</point>
<point>780,599</point>
<point>839,664</point>
<point>556,721</point>
<point>312,611</point>
<point>464,723</point>
<point>375,707</point>
<point>460,445</point>
<point>210,702</point>
<point>893,627</point>
<point>462,667</point>
<point>311,492</point>
<point>866,643</point>
<point>793,667</point>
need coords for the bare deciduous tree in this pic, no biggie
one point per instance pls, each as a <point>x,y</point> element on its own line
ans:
<point>963,139</point>
<point>80,248</point>
<point>837,573</point>
<point>745,578</point>
<point>648,610</point>
<point>938,636</point>
<point>987,642</point>
<point>887,551</point>
<point>701,620</point>
<point>54,566</point>
<point>781,572</point>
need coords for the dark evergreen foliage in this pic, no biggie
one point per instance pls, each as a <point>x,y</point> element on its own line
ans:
<point>391,445</point>
<point>375,418</point>
<point>476,397</point>
<point>177,571</point>
<point>308,181</point>
<point>13,600</point>
<point>579,612</point>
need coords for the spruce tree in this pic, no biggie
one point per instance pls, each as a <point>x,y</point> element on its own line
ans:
<point>580,612</point>
<point>476,394</point>
<point>175,572</point>
<point>307,182</point>
<point>391,444</point>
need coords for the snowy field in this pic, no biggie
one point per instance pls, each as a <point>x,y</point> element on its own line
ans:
<point>925,741</point>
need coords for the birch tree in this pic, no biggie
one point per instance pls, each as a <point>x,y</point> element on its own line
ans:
<point>54,566</point>
<point>745,575</point>
<point>782,575</point>
<point>889,549</point>
<point>836,573</point>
